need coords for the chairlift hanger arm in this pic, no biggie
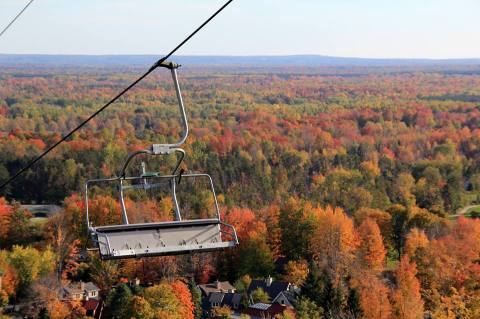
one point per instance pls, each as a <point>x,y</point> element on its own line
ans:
<point>166,149</point>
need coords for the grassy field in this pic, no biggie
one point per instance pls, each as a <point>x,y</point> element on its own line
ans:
<point>38,221</point>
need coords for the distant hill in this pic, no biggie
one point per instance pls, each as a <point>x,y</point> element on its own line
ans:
<point>144,60</point>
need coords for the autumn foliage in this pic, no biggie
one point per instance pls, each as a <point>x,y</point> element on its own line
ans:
<point>5,213</point>
<point>371,249</point>
<point>345,182</point>
<point>334,240</point>
<point>407,301</point>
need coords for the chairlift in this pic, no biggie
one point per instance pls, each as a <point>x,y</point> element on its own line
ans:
<point>181,236</point>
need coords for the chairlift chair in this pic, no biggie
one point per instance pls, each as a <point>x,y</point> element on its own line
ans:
<point>159,238</point>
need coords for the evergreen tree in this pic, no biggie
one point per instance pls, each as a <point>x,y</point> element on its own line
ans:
<point>400,217</point>
<point>119,301</point>
<point>353,304</point>
<point>313,285</point>
<point>196,298</point>
<point>43,314</point>
<point>331,298</point>
<point>307,309</point>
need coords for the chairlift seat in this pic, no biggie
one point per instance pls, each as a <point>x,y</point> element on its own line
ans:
<point>159,239</point>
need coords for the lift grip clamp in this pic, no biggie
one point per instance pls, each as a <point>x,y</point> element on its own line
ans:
<point>165,64</point>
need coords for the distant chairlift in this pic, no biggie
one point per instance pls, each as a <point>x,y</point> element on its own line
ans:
<point>160,238</point>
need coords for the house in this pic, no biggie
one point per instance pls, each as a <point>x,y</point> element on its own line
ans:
<point>219,294</point>
<point>217,286</point>
<point>80,291</point>
<point>262,310</point>
<point>220,299</point>
<point>93,307</point>
<point>280,292</point>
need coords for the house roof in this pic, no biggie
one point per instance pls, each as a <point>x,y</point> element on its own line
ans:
<point>91,304</point>
<point>231,299</point>
<point>80,287</point>
<point>217,286</point>
<point>260,306</point>
<point>222,299</point>
<point>261,310</point>
<point>272,290</point>
<point>291,297</point>
<point>216,297</point>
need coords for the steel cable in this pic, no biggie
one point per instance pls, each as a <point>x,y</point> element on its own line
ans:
<point>156,65</point>
<point>15,19</point>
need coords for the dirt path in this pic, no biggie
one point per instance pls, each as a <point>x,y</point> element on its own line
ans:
<point>464,210</point>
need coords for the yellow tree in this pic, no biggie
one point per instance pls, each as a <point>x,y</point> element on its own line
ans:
<point>416,239</point>
<point>222,312</point>
<point>140,308</point>
<point>334,241</point>
<point>296,272</point>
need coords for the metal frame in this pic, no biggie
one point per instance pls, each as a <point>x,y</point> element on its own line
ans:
<point>121,187</point>
<point>214,228</point>
<point>100,235</point>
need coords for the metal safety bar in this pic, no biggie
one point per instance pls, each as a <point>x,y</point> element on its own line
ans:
<point>171,178</point>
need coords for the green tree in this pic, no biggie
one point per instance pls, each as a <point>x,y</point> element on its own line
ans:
<point>428,190</point>
<point>313,286</point>
<point>140,309</point>
<point>3,297</point>
<point>163,301</point>
<point>400,218</point>
<point>403,186</point>
<point>342,188</point>
<point>119,300</point>
<point>196,298</point>
<point>47,262</point>
<point>259,295</point>
<point>255,258</point>
<point>331,298</point>
<point>307,309</point>
<point>103,273</point>
<point>20,230</point>
<point>295,230</point>
<point>242,283</point>
<point>43,314</point>
<point>354,308</point>
<point>30,264</point>
<point>222,312</point>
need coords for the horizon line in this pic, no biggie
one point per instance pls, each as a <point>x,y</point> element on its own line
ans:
<point>238,56</point>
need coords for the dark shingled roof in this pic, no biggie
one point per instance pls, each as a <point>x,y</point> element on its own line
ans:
<point>273,290</point>
<point>216,297</point>
<point>231,299</point>
<point>222,299</point>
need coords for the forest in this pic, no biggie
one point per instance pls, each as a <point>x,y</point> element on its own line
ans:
<point>358,185</point>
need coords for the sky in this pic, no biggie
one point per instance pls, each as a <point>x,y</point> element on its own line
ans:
<point>348,28</point>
